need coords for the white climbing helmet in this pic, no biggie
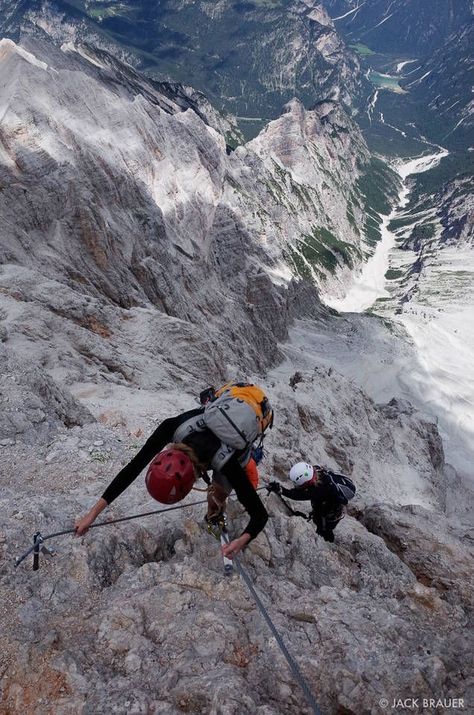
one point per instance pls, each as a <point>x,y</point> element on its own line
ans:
<point>301,473</point>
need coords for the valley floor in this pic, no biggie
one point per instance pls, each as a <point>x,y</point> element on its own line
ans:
<point>438,318</point>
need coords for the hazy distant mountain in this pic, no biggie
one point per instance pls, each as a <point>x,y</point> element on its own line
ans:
<point>397,26</point>
<point>443,84</point>
<point>249,57</point>
<point>422,51</point>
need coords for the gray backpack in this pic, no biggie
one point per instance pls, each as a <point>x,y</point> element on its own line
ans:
<point>239,414</point>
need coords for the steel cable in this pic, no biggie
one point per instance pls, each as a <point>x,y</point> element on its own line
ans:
<point>39,538</point>
<point>289,658</point>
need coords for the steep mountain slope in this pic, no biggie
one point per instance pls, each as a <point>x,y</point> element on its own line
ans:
<point>418,57</point>
<point>110,187</point>
<point>141,261</point>
<point>399,26</point>
<point>431,288</point>
<point>154,619</point>
<point>443,84</point>
<point>421,278</point>
<point>434,100</point>
<point>249,58</point>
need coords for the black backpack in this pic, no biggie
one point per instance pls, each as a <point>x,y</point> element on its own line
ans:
<point>343,487</point>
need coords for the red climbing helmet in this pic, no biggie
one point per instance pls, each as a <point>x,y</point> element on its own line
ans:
<point>170,476</point>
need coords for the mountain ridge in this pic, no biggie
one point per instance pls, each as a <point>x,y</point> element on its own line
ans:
<point>216,48</point>
<point>401,26</point>
<point>144,258</point>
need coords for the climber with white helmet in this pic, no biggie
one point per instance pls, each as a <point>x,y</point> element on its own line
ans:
<point>328,492</point>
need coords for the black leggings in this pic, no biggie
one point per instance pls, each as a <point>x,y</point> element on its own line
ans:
<point>328,520</point>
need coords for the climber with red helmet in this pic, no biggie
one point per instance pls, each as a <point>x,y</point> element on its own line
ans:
<point>329,493</point>
<point>191,447</point>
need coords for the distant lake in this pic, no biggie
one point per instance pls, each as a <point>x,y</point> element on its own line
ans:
<point>385,81</point>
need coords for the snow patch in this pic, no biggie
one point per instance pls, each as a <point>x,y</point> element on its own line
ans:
<point>372,103</point>
<point>417,81</point>
<point>369,284</point>
<point>356,9</point>
<point>401,65</point>
<point>384,20</point>
<point>71,47</point>
<point>382,121</point>
<point>8,47</point>
<point>414,70</point>
<point>456,126</point>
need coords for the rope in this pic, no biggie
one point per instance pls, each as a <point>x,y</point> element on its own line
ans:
<point>289,658</point>
<point>39,538</point>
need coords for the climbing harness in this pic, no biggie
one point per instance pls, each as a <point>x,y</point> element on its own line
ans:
<point>334,517</point>
<point>39,539</point>
<point>215,524</point>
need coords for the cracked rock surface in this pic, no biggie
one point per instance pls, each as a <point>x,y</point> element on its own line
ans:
<point>138,617</point>
<point>123,293</point>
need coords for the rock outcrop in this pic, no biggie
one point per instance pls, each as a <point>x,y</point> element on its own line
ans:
<point>157,626</point>
<point>141,262</point>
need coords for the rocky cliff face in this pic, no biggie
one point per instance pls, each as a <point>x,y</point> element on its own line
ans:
<point>118,193</point>
<point>140,261</point>
<point>249,58</point>
<point>156,626</point>
<point>106,197</point>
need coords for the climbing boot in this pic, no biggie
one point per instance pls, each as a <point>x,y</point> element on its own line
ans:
<point>216,524</point>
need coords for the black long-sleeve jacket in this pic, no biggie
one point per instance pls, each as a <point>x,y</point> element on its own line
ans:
<point>322,495</point>
<point>204,444</point>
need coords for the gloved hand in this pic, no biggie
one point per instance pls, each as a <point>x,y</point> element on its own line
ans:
<point>274,487</point>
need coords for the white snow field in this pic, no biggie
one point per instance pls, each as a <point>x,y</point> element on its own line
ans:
<point>439,320</point>
<point>369,284</point>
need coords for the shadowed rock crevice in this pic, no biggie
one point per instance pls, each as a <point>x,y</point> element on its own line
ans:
<point>113,554</point>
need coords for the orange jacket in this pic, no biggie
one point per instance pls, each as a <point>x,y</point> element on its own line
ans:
<point>252,472</point>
